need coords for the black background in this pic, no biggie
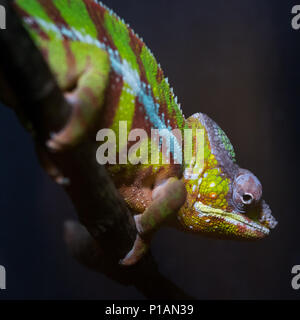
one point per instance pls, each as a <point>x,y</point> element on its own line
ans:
<point>237,61</point>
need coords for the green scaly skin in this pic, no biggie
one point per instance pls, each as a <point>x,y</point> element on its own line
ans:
<point>109,75</point>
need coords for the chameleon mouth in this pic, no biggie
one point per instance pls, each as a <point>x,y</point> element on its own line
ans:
<point>233,218</point>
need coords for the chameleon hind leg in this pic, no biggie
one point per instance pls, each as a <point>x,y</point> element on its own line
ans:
<point>86,97</point>
<point>167,200</point>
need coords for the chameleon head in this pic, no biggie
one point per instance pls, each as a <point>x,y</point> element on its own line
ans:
<point>223,200</point>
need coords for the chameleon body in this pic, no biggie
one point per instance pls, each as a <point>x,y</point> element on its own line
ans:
<point>109,75</point>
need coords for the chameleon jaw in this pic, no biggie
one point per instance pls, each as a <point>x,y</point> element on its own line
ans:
<point>231,217</point>
<point>213,221</point>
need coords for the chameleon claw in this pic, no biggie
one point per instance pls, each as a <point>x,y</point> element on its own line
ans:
<point>138,250</point>
<point>61,140</point>
<point>53,145</point>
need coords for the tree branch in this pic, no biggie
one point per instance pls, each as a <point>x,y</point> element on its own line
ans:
<point>29,87</point>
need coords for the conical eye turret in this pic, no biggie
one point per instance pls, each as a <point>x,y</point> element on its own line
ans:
<point>247,190</point>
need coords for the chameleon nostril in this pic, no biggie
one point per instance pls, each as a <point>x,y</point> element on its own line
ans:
<point>247,198</point>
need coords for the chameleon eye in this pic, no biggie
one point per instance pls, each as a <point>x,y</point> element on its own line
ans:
<point>247,190</point>
<point>247,198</point>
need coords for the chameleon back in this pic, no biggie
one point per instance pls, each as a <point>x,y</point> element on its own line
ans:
<point>71,32</point>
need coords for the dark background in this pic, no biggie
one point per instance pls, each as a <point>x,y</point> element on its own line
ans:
<point>238,62</point>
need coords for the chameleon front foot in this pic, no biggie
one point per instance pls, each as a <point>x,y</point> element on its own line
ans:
<point>167,200</point>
